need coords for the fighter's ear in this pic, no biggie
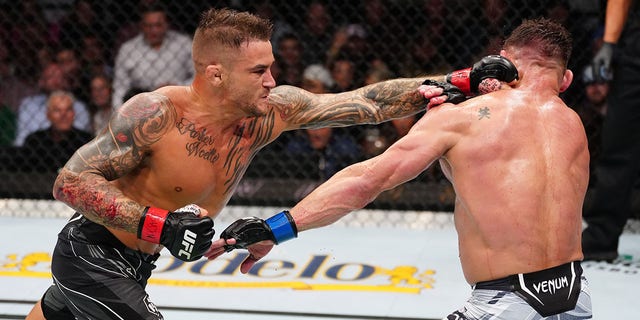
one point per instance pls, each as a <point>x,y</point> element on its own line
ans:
<point>213,73</point>
<point>505,54</point>
<point>567,78</point>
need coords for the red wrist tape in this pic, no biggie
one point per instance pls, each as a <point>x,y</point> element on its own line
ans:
<point>460,79</point>
<point>153,223</point>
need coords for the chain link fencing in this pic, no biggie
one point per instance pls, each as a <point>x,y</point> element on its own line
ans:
<point>94,50</point>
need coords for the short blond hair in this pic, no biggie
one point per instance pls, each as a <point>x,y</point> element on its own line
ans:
<point>221,29</point>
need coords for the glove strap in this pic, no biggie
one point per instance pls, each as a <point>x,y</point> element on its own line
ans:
<point>282,226</point>
<point>151,224</point>
<point>461,79</point>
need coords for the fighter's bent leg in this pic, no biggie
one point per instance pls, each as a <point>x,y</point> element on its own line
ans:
<point>52,306</point>
<point>36,312</point>
<point>98,281</point>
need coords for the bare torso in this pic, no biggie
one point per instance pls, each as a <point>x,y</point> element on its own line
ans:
<point>519,205</point>
<point>178,150</point>
<point>195,162</point>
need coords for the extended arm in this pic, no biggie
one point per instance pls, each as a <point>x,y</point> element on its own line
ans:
<point>382,101</point>
<point>359,184</point>
<point>371,104</point>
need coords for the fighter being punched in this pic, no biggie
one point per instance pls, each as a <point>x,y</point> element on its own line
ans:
<point>183,145</point>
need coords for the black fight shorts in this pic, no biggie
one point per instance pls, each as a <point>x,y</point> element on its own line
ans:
<point>96,277</point>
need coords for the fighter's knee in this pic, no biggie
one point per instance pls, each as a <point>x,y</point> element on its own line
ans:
<point>36,312</point>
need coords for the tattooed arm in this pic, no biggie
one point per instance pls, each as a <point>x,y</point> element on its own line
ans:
<point>374,103</point>
<point>84,182</point>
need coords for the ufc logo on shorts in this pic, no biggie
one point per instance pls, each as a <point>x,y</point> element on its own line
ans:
<point>188,240</point>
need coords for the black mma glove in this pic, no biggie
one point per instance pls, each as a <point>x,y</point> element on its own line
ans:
<point>602,62</point>
<point>492,66</point>
<point>250,230</point>
<point>183,233</point>
<point>453,93</point>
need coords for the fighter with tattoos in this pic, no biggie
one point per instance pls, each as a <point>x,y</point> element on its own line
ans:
<point>169,161</point>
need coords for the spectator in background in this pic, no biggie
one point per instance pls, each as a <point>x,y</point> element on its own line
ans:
<point>316,32</point>
<point>289,51</point>
<point>94,57</point>
<point>477,30</point>
<point>100,105</point>
<point>12,88</point>
<point>592,111</point>
<point>32,109</point>
<point>156,57</point>
<point>69,62</point>
<point>350,42</point>
<point>618,166</point>
<point>431,43</point>
<point>49,149</point>
<point>495,22</point>
<point>266,9</point>
<point>80,21</point>
<point>343,74</point>
<point>386,31</point>
<point>7,125</point>
<point>322,152</point>
<point>317,79</point>
<point>424,55</point>
<point>30,35</point>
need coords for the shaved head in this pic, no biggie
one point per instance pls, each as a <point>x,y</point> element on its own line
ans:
<point>221,32</point>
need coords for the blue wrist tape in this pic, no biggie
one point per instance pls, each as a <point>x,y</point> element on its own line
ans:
<point>282,226</point>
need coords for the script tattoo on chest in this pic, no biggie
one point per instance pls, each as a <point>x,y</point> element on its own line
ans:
<point>202,144</point>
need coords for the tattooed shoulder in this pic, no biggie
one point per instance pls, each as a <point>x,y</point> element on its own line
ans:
<point>146,105</point>
<point>144,119</point>
<point>484,113</point>
<point>288,100</point>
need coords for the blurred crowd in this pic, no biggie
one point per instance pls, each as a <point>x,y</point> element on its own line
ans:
<point>66,65</point>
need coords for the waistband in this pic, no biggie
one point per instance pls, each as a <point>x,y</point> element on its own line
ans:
<point>511,282</point>
<point>97,234</point>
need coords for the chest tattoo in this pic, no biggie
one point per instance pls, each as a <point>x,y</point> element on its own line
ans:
<point>201,145</point>
<point>258,131</point>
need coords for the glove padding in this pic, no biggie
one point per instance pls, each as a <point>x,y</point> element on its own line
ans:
<point>250,230</point>
<point>492,66</point>
<point>453,93</point>
<point>186,235</point>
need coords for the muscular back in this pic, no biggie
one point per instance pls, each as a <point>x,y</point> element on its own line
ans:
<point>520,171</point>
